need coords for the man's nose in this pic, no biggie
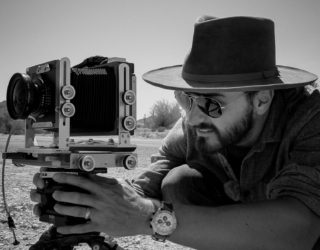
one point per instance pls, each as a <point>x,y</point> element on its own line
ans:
<point>196,116</point>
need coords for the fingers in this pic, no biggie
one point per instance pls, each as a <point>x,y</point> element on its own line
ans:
<point>74,198</point>
<point>78,181</point>
<point>69,197</point>
<point>36,210</point>
<point>104,179</point>
<point>38,181</point>
<point>78,229</point>
<point>35,196</point>
<point>92,184</point>
<point>74,211</point>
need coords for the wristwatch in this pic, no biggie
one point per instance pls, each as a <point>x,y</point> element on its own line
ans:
<point>163,222</point>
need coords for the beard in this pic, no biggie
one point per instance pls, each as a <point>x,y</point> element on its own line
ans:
<point>231,136</point>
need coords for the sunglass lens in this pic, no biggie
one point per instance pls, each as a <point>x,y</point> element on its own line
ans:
<point>207,105</point>
<point>184,100</point>
<point>214,109</point>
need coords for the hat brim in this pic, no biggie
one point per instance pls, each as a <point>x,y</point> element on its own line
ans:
<point>170,78</point>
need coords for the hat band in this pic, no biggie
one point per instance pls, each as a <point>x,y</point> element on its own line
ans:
<point>230,78</point>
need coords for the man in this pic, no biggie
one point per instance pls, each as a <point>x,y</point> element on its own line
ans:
<point>240,170</point>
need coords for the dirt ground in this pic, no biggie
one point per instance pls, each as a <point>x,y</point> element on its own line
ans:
<point>18,183</point>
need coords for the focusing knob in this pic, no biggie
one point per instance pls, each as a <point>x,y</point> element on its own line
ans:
<point>129,123</point>
<point>87,163</point>
<point>68,92</point>
<point>129,97</point>
<point>68,109</point>
<point>130,162</point>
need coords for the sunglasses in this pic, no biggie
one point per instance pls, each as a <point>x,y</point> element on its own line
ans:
<point>207,105</point>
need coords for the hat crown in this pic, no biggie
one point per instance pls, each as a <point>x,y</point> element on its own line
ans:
<point>230,54</point>
<point>234,45</point>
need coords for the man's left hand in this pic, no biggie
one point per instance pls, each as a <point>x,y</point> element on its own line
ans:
<point>115,207</point>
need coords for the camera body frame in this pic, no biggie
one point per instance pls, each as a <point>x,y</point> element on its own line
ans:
<point>82,157</point>
<point>64,152</point>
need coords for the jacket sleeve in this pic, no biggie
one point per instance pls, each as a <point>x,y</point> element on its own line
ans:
<point>172,153</point>
<point>300,177</point>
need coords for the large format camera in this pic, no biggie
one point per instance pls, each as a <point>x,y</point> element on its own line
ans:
<point>94,98</point>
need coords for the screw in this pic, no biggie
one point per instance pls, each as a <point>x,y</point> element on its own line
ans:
<point>96,247</point>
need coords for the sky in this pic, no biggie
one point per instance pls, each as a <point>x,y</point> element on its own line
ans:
<point>149,33</point>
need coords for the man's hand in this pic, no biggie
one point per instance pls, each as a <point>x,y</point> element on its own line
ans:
<point>115,207</point>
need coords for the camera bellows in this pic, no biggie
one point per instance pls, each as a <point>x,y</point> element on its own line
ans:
<point>96,94</point>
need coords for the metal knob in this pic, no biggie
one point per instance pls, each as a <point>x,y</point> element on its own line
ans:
<point>68,109</point>
<point>129,123</point>
<point>130,162</point>
<point>87,163</point>
<point>129,97</point>
<point>68,92</point>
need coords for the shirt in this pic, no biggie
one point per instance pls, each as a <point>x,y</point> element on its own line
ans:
<point>284,161</point>
<point>235,156</point>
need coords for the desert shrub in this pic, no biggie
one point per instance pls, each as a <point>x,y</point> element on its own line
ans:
<point>161,129</point>
<point>6,123</point>
<point>149,134</point>
<point>19,127</point>
<point>164,115</point>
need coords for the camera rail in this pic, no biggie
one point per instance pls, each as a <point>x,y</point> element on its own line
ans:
<point>86,161</point>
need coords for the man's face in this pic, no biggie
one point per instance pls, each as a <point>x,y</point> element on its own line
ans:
<point>228,129</point>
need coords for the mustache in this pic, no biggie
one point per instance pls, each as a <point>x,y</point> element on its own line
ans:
<point>206,126</point>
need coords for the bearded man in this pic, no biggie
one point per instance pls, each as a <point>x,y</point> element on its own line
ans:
<point>239,170</point>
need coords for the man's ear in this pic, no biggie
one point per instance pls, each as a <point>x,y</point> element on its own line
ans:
<point>262,101</point>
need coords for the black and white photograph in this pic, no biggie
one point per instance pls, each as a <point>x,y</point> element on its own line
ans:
<point>152,125</point>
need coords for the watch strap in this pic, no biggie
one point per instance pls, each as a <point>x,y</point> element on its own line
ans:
<point>167,206</point>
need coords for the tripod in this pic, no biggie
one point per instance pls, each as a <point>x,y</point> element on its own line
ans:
<point>52,240</point>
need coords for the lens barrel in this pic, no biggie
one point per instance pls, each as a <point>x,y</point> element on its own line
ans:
<point>26,95</point>
<point>20,96</point>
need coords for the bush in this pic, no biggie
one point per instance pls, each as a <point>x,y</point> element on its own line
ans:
<point>6,123</point>
<point>149,134</point>
<point>161,129</point>
<point>164,115</point>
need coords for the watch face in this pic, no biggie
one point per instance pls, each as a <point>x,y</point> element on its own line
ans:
<point>164,222</point>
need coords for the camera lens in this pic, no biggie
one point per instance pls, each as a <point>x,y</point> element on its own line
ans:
<point>26,96</point>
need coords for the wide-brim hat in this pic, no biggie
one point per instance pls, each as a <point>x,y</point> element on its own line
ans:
<point>230,54</point>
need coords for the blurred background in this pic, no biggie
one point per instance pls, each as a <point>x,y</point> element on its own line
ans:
<point>148,33</point>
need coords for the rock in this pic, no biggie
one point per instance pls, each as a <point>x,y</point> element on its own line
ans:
<point>35,226</point>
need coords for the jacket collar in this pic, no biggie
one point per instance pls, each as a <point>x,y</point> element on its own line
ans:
<point>275,124</point>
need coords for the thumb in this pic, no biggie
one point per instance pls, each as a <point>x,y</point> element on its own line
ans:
<point>104,179</point>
